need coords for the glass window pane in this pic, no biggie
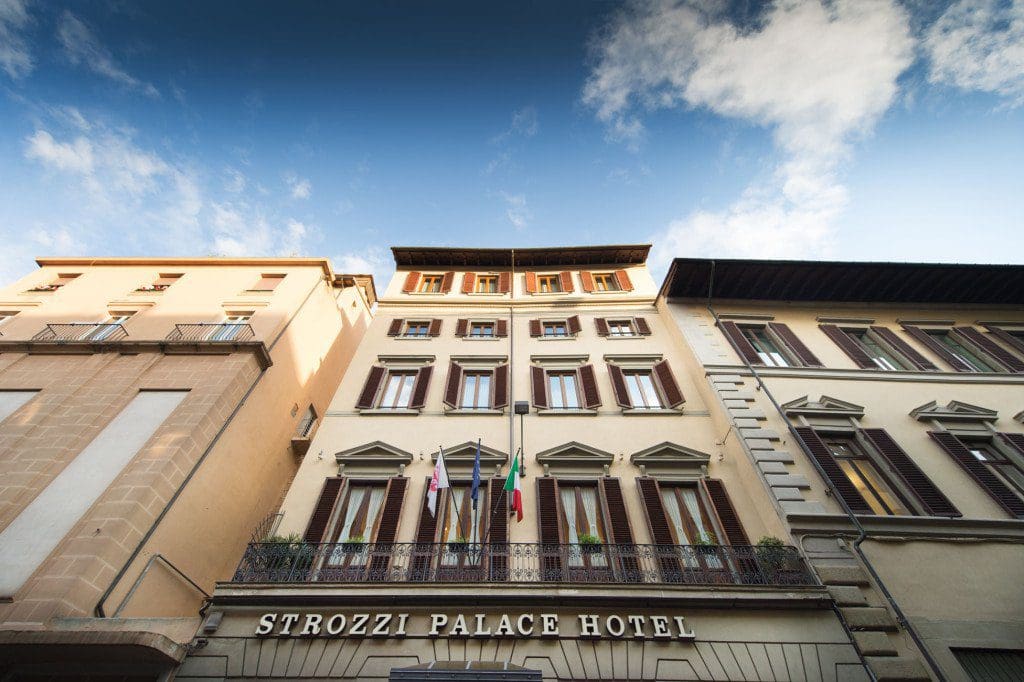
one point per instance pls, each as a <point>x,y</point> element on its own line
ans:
<point>555,391</point>
<point>969,357</point>
<point>405,396</point>
<point>571,397</point>
<point>391,390</point>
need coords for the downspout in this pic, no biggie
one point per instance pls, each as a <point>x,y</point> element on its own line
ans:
<point>862,533</point>
<point>98,610</point>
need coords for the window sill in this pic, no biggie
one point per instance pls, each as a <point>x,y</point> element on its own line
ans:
<point>661,411</point>
<point>567,337</point>
<point>606,292</point>
<point>424,293</point>
<point>631,337</point>
<point>249,292</point>
<point>482,338</point>
<point>412,338</point>
<point>462,411</point>
<point>485,294</point>
<point>399,412</point>
<point>548,412</point>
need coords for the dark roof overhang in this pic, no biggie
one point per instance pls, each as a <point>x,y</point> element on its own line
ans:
<point>420,256</point>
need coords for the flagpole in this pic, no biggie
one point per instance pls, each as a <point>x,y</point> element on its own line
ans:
<point>451,494</point>
<point>494,514</point>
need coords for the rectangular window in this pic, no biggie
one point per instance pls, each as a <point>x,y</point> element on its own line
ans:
<point>430,284</point>
<point>878,354</point>
<point>996,462</point>
<point>558,328</point>
<point>769,352</point>
<point>563,391</point>
<point>481,329</point>
<point>62,279</point>
<point>111,327</point>
<point>583,524</point>
<point>621,328</point>
<point>549,284</point>
<point>688,515</point>
<point>864,475</point>
<point>642,392</point>
<point>417,329</point>
<point>305,426</point>
<point>460,522</point>
<point>267,282</point>
<point>476,391</point>
<point>991,665</point>
<point>397,393</point>
<point>230,328</point>
<point>962,352</point>
<point>357,523</point>
<point>605,281</point>
<point>487,284</point>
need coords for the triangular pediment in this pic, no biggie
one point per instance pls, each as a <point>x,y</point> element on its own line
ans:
<point>464,454</point>
<point>825,406</point>
<point>670,454</point>
<point>954,411</point>
<point>375,453</point>
<point>575,453</point>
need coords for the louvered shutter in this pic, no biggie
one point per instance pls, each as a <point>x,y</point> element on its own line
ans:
<point>411,280</point>
<point>573,325</point>
<point>1006,337</point>
<point>387,529</point>
<point>447,281</point>
<point>622,277</point>
<point>504,282</point>
<point>500,387</point>
<point>669,387</point>
<point>1014,440</point>
<point>419,389</point>
<point>451,390</point>
<point>996,489</point>
<point>624,553</point>
<point>369,392</point>
<point>657,519</point>
<point>538,379</point>
<point>990,347</point>
<point>422,560</point>
<point>837,480</point>
<point>803,353</point>
<point>461,327</point>
<point>937,348</point>
<point>588,380</point>
<point>642,328</point>
<point>739,342</point>
<point>435,328</point>
<point>619,386</point>
<point>535,328</point>
<point>587,280</point>
<point>323,510</point>
<point>395,328</point>
<point>501,330</point>
<point>468,282</point>
<point>426,531</point>
<point>497,530</point>
<point>731,525</point>
<point>531,282</point>
<point>602,326</point>
<point>908,352</point>
<point>934,502</point>
<point>849,346</point>
<point>565,280</point>
<point>548,527</point>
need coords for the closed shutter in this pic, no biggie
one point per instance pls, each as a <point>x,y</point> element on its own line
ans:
<point>602,326</point>
<point>642,328</point>
<point>387,530</point>
<point>422,560</point>
<point>411,280</point>
<point>322,513</point>
<point>996,489</point>
<point>849,346</point>
<point>548,527</point>
<point>501,330</point>
<point>803,353</point>
<point>451,389</point>
<point>838,481</point>
<point>435,328</point>
<point>1009,339</point>
<point>730,521</point>
<point>588,380</point>
<point>739,342</point>
<point>468,282</point>
<point>535,329</point>
<point>419,390</point>
<point>934,502</point>
<point>619,386</point>
<point>624,552</point>
<point>504,282</point>
<point>908,352</point>
<point>461,327</point>
<point>395,328</point>
<point>500,387</point>
<point>446,282</point>
<point>937,348</point>
<point>669,387</point>
<point>497,530</point>
<point>622,277</point>
<point>565,279</point>
<point>426,531</point>
<point>531,282</point>
<point>369,392</point>
<point>650,493</point>
<point>573,325</point>
<point>1014,440</point>
<point>539,385</point>
<point>1005,357</point>
<point>587,280</point>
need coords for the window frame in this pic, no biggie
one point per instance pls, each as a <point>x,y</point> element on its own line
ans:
<point>544,324</point>
<point>855,334</point>
<point>477,373</point>
<point>866,452</point>
<point>655,387</point>
<point>604,279</point>
<point>339,558</point>
<point>430,278</point>
<point>410,373</point>
<point>277,278</point>
<point>481,279</point>
<point>991,444</point>
<point>976,355</point>
<point>472,324</point>
<point>584,559</point>
<point>408,325</point>
<point>549,374</point>
<point>629,323</point>
<point>548,280</point>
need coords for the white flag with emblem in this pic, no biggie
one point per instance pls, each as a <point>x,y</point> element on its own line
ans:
<point>437,482</point>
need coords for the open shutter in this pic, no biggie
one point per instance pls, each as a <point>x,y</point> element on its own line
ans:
<point>531,282</point>
<point>395,328</point>
<point>996,489</point>
<point>937,348</point>
<point>539,385</point>
<point>731,525</point>
<point>908,352</point>
<point>619,386</point>
<point>587,280</point>
<point>447,281</point>
<point>573,325</point>
<point>435,328</point>
<point>622,277</point>
<point>422,559</point>
<point>497,530</point>
<point>504,282</point>
<point>321,517</point>
<point>501,329</point>
<point>657,519</point>
<point>588,380</point>
<point>617,517</point>
<point>740,343</point>
<point>642,328</point>
<point>1014,440</point>
<point>451,390</point>
<point>468,282</point>
<point>1009,339</point>
<point>565,280</point>
<point>548,527</point>
<point>419,389</point>
<point>849,346</point>
<point>803,353</point>
<point>934,502</point>
<point>500,398</point>
<point>369,392</point>
<point>426,531</point>
<point>602,326</point>
<point>836,478</point>
<point>387,529</point>
<point>990,347</point>
<point>669,387</point>
<point>461,327</point>
<point>535,329</point>
<point>411,281</point>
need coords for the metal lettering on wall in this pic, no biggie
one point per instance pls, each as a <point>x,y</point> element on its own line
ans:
<point>590,626</point>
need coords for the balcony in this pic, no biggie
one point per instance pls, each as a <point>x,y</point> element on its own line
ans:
<point>81,331</point>
<point>211,331</point>
<point>531,563</point>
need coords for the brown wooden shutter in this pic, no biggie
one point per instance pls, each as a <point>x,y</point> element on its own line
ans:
<point>802,352</point>
<point>836,479</point>
<point>739,342</point>
<point>419,389</point>
<point>501,329</point>
<point>390,515</point>
<point>934,502</point>
<point>642,328</point>
<point>617,517</point>
<point>535,328</point>
<point>731,525</point>
<point>588,380</point>
<point>435,328</point>
<point>426,530</point>
<point>395,328</point>
<point>323,510</point>
<point>990,347</point>
<point>657,519</point>
<point>996,489</point>
<point>669,387</point>
<point>1014,440</point>
<point>497,529</point>
<point>500,399</point>
<point>468,281</point>
<point>538,379</point>
<point>369,393</point>
<point>421,562</point>
<point>602,326</point>
<point>447,281</point>
<point>619,386</point>
<point>587,280</point>
<point>908,352</point>
<point>849,346</point>
<point>573,325</point>
<point>531,282</point>
<point>411,280</point>
<point>937,348</point>
<point>451,390</point>
<point>549,529</point>
<point>622,277</point>
<point>504,282</point>
<point>565,280</point>
<point>1007,338</point>
<point>461,327</point>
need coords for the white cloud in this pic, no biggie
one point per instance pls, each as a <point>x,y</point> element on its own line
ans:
<point>83,47</point>
<point>516,210</point>
<point>979,45</point>
<point>817,75</point>
<point>299,188</point>
<point>372,260</point>
<point>73,156</point>
<point>15,58</point>
<point>234,180</point>
<point>524,125</point>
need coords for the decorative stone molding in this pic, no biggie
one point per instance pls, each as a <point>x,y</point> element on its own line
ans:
<point>954,411</point>
<point>375,457</point>
<point>575,456</point>
<point>825,406</point>
<point>461,457</point>
<point>671,458</point>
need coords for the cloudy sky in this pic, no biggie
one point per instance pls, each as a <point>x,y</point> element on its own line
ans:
<point>846,129</point>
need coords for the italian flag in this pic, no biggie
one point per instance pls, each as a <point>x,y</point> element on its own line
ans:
<point>515,490</point>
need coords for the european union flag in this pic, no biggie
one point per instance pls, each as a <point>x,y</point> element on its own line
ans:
<point>474,492</point>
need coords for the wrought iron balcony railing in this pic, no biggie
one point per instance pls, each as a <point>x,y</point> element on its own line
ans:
<point>211,331</point>
<point>81,331</point>
<point>357,562</point>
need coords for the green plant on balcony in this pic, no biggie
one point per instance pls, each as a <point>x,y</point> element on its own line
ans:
<point>704,545</point>
<point>771,552</point>
<point>589,544</point>
<point>459,544</point>
<point>288,553</point>
<point>354,544</point>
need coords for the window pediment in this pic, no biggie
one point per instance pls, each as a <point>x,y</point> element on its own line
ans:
<point>671,457</point>
<point>375,457</point>
<point>954,411</point>
<point>576,456</point>
<point>825,406</point>
<point>461,457</point>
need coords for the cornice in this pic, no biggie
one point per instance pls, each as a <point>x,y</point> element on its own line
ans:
<point>924,527</point>
<point>869,375</point>
<point>258,348</point>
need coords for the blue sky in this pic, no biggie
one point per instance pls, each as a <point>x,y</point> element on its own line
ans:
<point>852,129</point>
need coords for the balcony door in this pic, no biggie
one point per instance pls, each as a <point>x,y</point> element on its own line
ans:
<point>355,530</point>
<point>229,328</point>
<point>102,330</point>
<point>583,526</point>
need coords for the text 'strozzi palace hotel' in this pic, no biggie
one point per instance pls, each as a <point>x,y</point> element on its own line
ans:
<point>515,464</point>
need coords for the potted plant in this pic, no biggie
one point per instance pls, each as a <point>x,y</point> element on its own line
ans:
<point>771,552</point>
<point>589,544</point>
<point>705,547</point>
<point>354,544</point>
<point>288,554</point>
<point>459,544</point>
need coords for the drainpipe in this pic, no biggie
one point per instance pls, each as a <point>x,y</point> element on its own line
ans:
<point>862,533</point>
